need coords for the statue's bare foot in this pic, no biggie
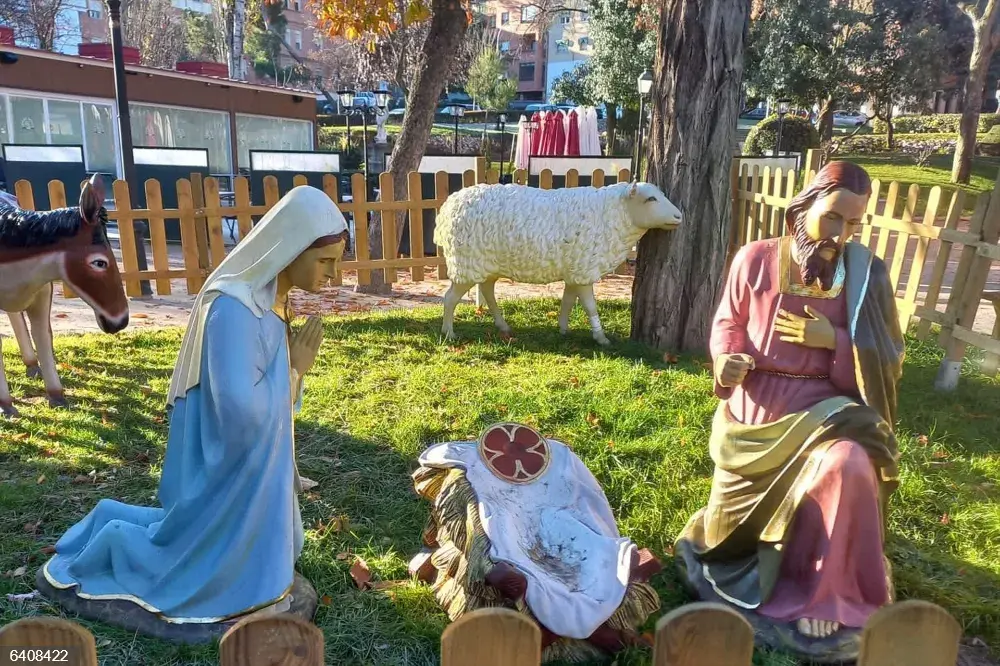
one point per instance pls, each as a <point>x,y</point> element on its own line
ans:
<point>817,628</point>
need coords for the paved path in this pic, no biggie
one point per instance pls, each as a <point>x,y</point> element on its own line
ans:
<point>74,316</point>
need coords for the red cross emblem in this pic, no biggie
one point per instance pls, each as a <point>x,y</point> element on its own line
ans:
<point>514,452</point>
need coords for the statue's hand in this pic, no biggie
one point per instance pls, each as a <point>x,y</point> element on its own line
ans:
<point>732,369</point>
<point>814,330</point>
<point>305,345</point>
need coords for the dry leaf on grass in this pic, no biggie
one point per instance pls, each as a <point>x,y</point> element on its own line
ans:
<point>360,573</point>
<point>48,550</point>
<point>20,571</point>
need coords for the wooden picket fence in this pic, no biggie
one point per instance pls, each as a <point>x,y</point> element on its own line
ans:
<point>913,231</point>
<point>698,634</point>
<point>201,213</point>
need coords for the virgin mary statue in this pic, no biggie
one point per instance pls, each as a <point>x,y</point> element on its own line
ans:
<point>224,541</point>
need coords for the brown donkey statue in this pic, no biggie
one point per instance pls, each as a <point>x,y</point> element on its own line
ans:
<point>36,249</point>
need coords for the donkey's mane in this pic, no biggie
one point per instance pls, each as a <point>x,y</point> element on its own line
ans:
<point>25,228</point>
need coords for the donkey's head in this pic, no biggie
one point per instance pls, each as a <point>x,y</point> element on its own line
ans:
<point>89,264</point>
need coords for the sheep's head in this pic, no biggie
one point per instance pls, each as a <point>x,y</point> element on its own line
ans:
<point>649,208</point>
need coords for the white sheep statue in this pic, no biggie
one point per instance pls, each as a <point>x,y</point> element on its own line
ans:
<point>526,234</point>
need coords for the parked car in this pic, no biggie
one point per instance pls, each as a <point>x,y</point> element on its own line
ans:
<point>849,119</point>
<point>365,100</point>
<point>754,114</point>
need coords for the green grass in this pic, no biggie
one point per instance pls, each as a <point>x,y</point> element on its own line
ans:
<point>385,387</point>
<point>902,169</point>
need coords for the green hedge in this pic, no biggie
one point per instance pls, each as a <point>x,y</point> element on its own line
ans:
<point>938,123</point>
<point>872,144</point>
<point>797,136</point>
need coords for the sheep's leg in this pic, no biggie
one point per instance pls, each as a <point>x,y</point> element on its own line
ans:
<point>451,299</point>
<point>489,295</point>
<point>568,301</point>
<point>20,326</point>
<point>39,313</point>
<point>6,401</point>
<point>589,303</point>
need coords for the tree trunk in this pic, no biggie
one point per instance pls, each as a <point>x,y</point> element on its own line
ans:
<point>437,56</point>
<point>979,64</point>
<point>890,131</point>
<point>612,126</point>
<point>692,134</point>
<point>826,120</point>
<point>235,38</point>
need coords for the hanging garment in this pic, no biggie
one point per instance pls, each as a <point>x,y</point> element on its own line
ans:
<point>573,133</point>
<point>536,135</point>
<point>557,144</point>
<point>523,144</point>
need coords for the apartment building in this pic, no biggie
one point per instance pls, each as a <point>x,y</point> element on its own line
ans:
<point>91,23</point>
<point>521,38</point>
<point>539,47</point>
<point>569,43</point>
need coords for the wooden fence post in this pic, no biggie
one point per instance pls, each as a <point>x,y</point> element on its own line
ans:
<point>440,195</point>
<point>492,637</point>
<point>970,295</point>
<point>126,236</point>
<point>941,262</point>
<point>416,225</point>
<point>910,632</point>
<point>359,205</point>
<point>51,632</point>
<point>189,238</point>
<point>275,639</point>
<point>331,186</point>
<point>57,199</point>
<point>814,162</point>
<point>387,195</point>
<point>157,235</point>
<point>200,223</point>
<point>481,169</point>
<point>702,633</point>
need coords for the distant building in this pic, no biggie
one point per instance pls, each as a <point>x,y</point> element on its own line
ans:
<point>569,43</point>
<point>521,39</point>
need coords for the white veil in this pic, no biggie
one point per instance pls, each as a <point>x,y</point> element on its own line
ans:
<point>249,274</point>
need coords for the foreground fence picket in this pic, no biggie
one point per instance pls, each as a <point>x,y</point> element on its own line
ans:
<point>50,632</point>
<point>278,639</point>
<point>906,633</point>
<point>492,637</point>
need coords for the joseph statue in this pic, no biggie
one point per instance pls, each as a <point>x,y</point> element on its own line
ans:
<point>807,352</point>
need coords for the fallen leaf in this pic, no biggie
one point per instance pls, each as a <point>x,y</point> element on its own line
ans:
<point>81,478</point>
<point>945,520</point>
<point>360,573</point>
<point>41,479</point>
<point>20,571</point>
<point>104,642</point>
<point>48,550</point>
<point>593,421</point>
<point>507,337</point>
<point>139,315</point>
<point>307,484</point>
<point>611,444</point>
<point>343,556</point>
<point>574,381</point>
<point>20,436</point>
<point>146,390</point>
<point>104,419</point>
<point>922,440</point>
<point>939,454</point>
<point>326,600</point>
<point>552,314</point>
<point>61,315</point>
<point>670,358</point>
<point>387,584</point>
<point>142,457</point>
<point>32,528</point>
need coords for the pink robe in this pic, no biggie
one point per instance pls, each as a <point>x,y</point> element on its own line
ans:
<point>832,568</point>
<point>573,134</point>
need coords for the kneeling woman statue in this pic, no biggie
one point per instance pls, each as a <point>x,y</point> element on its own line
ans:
<point>226,537</point>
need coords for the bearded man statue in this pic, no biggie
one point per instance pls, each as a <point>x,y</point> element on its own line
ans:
<point>807,353</point>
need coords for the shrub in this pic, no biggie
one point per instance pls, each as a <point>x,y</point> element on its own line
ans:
<point>797,136</point>
<point>938,123</point>
<point>989,144</point>
<point>873,144</point>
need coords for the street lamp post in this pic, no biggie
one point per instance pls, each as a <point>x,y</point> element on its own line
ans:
<point>503,137</point>
<point>125,134</point>
<point>644,84</point>
<point>783,108</point>
<point>346,96</point>
<point>456,112</point>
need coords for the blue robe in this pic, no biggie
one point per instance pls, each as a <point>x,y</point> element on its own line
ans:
<point>229,533</point>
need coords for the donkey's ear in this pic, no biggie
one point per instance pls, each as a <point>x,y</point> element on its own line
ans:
<point>92,199</point>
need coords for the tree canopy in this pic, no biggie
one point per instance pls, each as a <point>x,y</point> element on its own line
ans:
<point>624,47</point>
